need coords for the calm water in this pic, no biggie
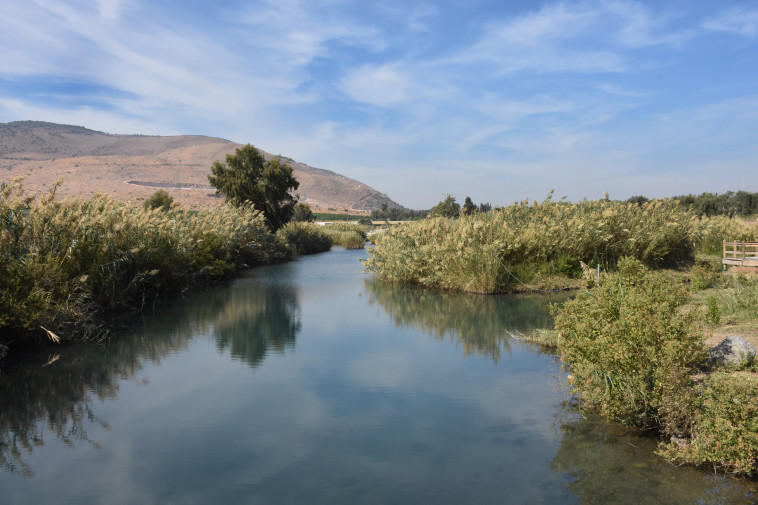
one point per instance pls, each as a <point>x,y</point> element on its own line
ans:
<point>310,382</point>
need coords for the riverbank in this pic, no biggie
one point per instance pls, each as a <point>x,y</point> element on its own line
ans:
<point>635,345</point>
<point>637,349</point>
<point>65,265</point>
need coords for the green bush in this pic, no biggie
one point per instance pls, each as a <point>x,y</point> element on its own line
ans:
<point>159,200</point>
<point>713,313</point>
<point>705,274</point>
<point>725,436</point>
<point>305,238</point>
<point>628,343</point>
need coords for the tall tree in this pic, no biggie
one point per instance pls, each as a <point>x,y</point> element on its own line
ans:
<point>247,177</point>
<point>468,207</point>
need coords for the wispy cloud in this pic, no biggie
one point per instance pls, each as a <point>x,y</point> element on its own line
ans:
<point>497,94</point>
<point>738,20</point>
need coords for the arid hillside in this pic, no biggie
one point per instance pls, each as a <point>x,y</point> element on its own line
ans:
<point>133,167</point>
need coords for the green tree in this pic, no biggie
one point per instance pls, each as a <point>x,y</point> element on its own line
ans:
<point>446,208</point>
<point>267,185</point>
<point>159,199</point>
<point>303,213</point>
<point>468,207</point>
<point>485,207</point>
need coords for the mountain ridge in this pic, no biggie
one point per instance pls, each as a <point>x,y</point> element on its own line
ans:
<point>133,166</point>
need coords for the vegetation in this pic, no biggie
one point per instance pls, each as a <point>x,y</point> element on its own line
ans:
<point>63,264</point>
<point>532,243</point>
<point>159,200</point>
<point>246,177</point>
<point>326,216</point>
<point>305,238</point>
<point>446,208</point>
<point>397,214</point>
<point>726,426</point>
<point>635,349</point>
<point>468,206</point>
<point>349,236</point>
<point>631,349</point>
<point>729,204</point>
<point>303,213</point>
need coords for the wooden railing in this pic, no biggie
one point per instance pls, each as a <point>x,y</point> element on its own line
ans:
<point>740,253</point>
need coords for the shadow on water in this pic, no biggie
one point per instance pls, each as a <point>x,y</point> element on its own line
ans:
<point>480,323</point>
<point>611,464</point>
<point>52,391</point>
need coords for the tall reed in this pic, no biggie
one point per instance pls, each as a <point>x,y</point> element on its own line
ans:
<point>62,264</point>
<point>486,252</point>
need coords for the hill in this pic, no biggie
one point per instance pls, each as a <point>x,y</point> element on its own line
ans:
<point>132,167</point>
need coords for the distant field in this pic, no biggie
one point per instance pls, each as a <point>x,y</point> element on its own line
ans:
<point>326,216</point>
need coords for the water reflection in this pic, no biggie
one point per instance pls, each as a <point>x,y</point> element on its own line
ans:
<point>479,322</point>
<point>255,320</point>
<point>610,464</point>
<point>45,393</point>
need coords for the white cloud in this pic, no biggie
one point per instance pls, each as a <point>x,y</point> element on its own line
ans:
<point>740,21</point>
<point>378,85</point>
<point>571,37</point>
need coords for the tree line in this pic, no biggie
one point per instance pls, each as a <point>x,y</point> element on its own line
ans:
<point>730,204</point>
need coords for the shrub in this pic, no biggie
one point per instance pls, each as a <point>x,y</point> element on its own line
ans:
<point>713,313</point>
<point>726,433</point>
<point>705,274</point>
<point>628,343</point>
<point>305,238</point>
<point>303,213</point>
<point>159,200</point>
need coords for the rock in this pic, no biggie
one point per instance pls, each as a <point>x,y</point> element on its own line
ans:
<point>732,352</point>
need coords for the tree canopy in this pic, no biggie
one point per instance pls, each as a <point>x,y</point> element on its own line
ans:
<point>247,177</point>
<point>161,199</point>
<point>447,208</point>
<point>468,207</point>
<point>303,213</point>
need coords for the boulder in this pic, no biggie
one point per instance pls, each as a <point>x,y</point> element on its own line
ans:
<point>732,352</point>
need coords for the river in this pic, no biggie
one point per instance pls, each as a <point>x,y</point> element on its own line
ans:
<point>311,382</point>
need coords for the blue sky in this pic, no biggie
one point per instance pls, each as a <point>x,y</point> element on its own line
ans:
<point>499,100</point>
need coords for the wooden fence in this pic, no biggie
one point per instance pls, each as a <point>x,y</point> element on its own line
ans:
<point>740,253</point>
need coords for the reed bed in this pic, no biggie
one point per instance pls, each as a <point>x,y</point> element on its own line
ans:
<point>305,238</point>
<point>63,264</point>
<point>710,232</point>
<point>488,252</point>
<point>347,235</point>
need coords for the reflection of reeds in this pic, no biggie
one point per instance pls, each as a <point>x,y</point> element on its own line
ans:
<point>479,253</point>
<point>480,323</point>
<point>47,395</point>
